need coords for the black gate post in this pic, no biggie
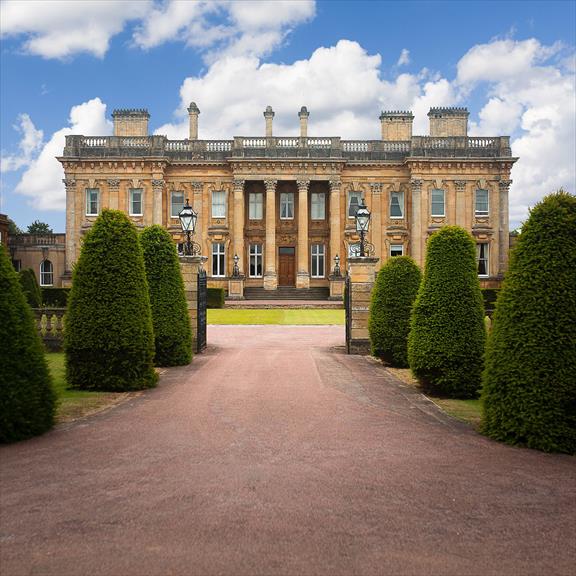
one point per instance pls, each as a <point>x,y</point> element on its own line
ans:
<point>348,308</point>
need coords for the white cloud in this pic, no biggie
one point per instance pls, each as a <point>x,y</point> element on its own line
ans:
<point>42,181</point>
<point>59,28</point>
<point>29,144</point>
<point>404,58</point>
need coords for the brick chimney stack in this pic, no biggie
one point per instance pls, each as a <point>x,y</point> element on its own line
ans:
<point>396,125</point>
<point>193,112</point>
<point>269,115</point>
<point>448,121</point>
<point>303,115</point>
<point>130,122</point>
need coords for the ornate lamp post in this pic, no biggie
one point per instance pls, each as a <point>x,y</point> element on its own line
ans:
<point>188,222</point>
<point>362,224</point>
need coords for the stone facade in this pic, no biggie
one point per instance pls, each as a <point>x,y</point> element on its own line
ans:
<point>285,205</point>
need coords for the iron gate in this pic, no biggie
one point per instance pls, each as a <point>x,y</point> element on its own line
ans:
<point>348,308</point>
<point>202,305</point>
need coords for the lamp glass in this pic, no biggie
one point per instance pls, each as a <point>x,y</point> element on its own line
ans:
<point>188,218</point>
<point>362,218</point>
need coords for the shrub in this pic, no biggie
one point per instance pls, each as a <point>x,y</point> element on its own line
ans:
<point>216,297</point>
<point>30,287</point>
<point>447,333</point>
<point>392,299</point>
<point>55,297</point>
<point>27,400</point>
<point>108,336</point>
<point>529,384</point>
<point>170,318</point>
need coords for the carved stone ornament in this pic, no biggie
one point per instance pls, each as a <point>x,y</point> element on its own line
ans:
<point>303,185</point>
<point>157,184</point>
<point>270,185</point>
<point>460,185</point>
<point>69,183</point>
<point>197,187</point>
<point>376,187</point>
<point>113,183</point>
<point>416,185</point>
<point>504,185</point>
<point>238,185</point>
<point>335,185</point>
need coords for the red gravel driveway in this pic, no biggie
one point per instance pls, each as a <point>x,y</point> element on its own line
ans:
<point>275,453</point>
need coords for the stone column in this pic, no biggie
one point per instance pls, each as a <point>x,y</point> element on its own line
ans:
<point>503,228</point>
<point>189,267</point>
<point>197,190</point>
<point>71,234</point>
<point>113,191</point>
<point>269,115</point>
<point>270,276</point>
<point>416,231</point>
<point>335,186</point>
<point>238,242</point>
<point>157,189</point>
<point>303,273</point>
<point>377,219</point>
<point>460,189</point>
<point>362,272</point>
<point>193,112</point>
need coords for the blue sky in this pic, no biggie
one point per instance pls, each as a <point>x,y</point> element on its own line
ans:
<point>66,65</point>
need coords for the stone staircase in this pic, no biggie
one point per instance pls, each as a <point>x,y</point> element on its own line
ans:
<point>287,293</point>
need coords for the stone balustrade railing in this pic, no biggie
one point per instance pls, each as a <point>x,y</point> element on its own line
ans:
<point>287,147</point>
<point>50,326</point>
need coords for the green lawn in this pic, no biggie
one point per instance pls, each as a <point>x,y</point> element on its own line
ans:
<point>275,316</point>
<point>73,404</point>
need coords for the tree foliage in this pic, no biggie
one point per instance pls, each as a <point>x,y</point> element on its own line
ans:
<point>108,337</point>
<point>13,228</point>
<point>529,384</point>
<point>393,296</point>
<point>30,287</point>
<point>27,400</point>
<point>38,227</point>
<point>170,318</point>
<point>447,335</point>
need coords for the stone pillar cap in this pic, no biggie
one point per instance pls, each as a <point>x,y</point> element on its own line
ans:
<point>193,109</point>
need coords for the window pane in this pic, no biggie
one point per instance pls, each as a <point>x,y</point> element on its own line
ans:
<point>317,260</point>
<point>92,195</point>
<point>437,202</point>
<point>286,205</point>
<point>353,203</point>
<point>482,202</point>
<point>256,260</point>
<point>46,276</point>
<point>218,264</point>
<point>318,206</point>
<point>255,206</point>
<point>136,201</point>
<point>396,204</point>
<point>218,204</point>
<point>482,252</point>
<point>177,203</point>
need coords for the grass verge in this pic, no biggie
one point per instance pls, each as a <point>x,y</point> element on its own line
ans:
<point>469,411</point>
<point>74,404</point>
<point>310,316</point>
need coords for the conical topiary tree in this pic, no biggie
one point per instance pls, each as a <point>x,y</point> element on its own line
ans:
<point>529,384</point>
<point>27,400</point>
<point>108,335</point>
<point>393,296</point>
<point>170,318</point>
<point>447,333</point>
<point>30,287</point>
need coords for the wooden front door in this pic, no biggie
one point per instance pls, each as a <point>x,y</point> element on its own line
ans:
<point>286,266</point>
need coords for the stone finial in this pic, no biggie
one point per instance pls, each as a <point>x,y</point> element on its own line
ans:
<point>269,115</point>
<point>303,115</point>
<point>193,112</point>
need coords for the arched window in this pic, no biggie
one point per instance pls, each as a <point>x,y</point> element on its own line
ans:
<point>46,273</point>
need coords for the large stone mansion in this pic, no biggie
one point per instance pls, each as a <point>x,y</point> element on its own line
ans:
<point>285,205</point>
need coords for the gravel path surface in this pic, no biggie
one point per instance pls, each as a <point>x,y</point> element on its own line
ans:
<point>275,453</point>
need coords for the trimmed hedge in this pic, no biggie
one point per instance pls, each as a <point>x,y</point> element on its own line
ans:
<point>30,287</point>
<point>108,337</point>
<point>55,297</point>
<point>27,400</point>
<point>170,318</point>
<point>529,384</point>
<point>447,333</point>
<point>392,298</point>
<point>216,297</point>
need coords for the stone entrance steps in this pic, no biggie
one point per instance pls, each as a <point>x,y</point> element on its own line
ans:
<point>287,293</point>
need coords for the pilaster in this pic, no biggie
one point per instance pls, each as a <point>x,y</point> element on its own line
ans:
<point>238,243</point>
<point>157,190</point>
<point>335,187</point>
<point>71,234</point>
<point>460,191</point>
<point>197,198</point>
<point>416,222</point>
<point>503,227</point>
<point>270,276</point>
<point>303,274</point>
<point>113,192</point>
<point>377,235</point>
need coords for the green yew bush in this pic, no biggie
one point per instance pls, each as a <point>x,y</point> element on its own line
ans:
<point>27,400</point>
<point>170,318</point>
<point>392,298</point>
<point>30,287</point>
<point>216,298</point>
<point>529,384</point>
<point>447,333</point>
<point>108,337</point>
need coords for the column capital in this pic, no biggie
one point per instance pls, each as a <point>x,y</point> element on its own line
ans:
<point>157,185</point>
<point>460,185</point>
<point>113,183</point>
<point>376,187</point>
<point>197,187</point>
<point>504,185</point>
<point>416,185</point>
<point>238,185</point>
<point>69,183</point>
<point>335,184</point>
<point>270,185</point>
<point>303,185</point>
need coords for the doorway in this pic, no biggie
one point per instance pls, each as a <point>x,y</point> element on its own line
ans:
<point>287,266</point>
